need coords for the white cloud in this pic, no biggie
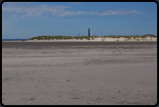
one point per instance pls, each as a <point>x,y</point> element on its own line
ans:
<point>33,10</point>
<point>17,9</point>
<point>64,20</point>
<point>119,12</point>
<point>75,2</point>
<point>66,13</point>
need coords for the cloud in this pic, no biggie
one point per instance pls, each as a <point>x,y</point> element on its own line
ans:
<point>66,13</point>
<point>119,12</point>
<point>64,20</point>
<point>25,9</point>
<point>75,2</point>
<point>33,10</point>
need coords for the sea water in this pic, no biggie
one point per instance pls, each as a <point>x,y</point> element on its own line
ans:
<point>13,39</point>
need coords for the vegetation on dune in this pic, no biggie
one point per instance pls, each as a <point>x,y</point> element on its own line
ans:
<point>59,37</point>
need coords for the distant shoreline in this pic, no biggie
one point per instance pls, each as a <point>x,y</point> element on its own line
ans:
<point>88,38</point>
<point>95,40</point>
<point>77,41</point>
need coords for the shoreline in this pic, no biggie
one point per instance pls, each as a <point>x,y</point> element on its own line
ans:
<point>75,41</point>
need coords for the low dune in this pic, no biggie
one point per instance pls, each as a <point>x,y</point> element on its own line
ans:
<point>101,39</point>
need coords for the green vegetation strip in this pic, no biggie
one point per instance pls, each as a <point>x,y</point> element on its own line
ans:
<point>59,37</point>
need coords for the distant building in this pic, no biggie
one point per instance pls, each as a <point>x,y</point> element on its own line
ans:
<point>88,32</point>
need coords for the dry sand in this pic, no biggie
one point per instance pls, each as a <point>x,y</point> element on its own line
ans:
<point>87,75</point>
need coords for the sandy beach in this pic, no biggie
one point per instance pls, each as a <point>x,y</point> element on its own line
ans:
<point>79,73</point>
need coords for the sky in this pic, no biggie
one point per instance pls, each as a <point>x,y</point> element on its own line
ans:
<point>31,19</point>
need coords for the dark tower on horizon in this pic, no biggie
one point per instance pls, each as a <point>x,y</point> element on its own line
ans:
<point>88,32</point>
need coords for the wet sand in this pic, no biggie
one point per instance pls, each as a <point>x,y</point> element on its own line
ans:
<point>43,44</point>
<point>105,73</point>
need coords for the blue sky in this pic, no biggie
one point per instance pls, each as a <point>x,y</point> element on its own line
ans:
<point>31,19</point>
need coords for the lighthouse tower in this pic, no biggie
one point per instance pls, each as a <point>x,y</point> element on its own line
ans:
<point>89,33</point>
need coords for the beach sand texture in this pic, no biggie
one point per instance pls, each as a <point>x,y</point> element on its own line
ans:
<point>79,74</point>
